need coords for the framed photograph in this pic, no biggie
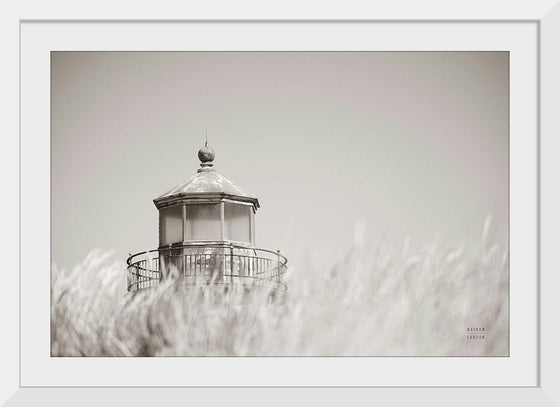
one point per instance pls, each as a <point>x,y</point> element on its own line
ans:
<point>361,271</point>
<point>234,203</point>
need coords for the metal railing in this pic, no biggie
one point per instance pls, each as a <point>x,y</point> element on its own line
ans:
<point>209,264</point>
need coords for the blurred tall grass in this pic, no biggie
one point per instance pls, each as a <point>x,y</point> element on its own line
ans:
<point>392,301</point>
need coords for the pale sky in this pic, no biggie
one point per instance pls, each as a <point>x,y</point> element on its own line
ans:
<point>400,143</point>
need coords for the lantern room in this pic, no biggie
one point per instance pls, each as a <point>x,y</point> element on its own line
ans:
<point>206,208</point>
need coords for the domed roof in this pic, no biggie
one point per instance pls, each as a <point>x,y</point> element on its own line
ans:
<point>205,185</point>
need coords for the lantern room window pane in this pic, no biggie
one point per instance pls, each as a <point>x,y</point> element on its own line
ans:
<point>237,223</point>
<point>171,225</point>
<point>203,222</point>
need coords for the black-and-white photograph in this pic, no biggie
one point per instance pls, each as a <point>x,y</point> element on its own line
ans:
<point>280,203</point>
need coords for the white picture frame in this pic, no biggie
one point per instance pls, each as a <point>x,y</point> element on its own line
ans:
<point>547,23</point>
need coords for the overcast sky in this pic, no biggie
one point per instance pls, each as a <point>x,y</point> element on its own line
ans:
<point>405,143</point>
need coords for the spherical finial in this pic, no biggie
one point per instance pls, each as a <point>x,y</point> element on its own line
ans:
<point>206,154</point>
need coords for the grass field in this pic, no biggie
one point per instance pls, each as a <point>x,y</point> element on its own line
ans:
<point>392,301</point>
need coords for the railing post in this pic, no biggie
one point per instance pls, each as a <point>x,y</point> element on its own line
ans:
<point>231,261</point>
<point>278,266</point>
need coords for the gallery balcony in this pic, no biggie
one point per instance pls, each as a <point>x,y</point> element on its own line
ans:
<point>206,263</point>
